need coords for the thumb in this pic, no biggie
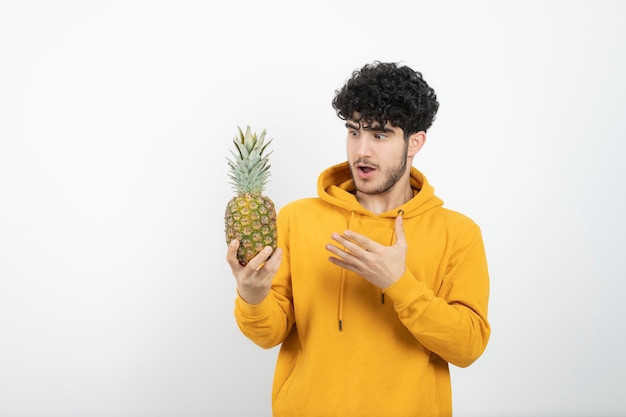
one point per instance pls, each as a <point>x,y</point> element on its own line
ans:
<point>400,238</point>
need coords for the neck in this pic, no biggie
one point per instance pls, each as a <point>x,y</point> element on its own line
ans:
<point>380,203</point>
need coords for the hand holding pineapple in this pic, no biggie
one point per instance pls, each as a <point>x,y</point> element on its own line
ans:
<point>254,280</point>
<point>250,219</point>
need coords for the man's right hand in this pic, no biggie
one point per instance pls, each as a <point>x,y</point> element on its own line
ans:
<point>254,280</point>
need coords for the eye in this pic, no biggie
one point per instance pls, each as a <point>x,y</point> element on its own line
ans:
<point>380,136</point>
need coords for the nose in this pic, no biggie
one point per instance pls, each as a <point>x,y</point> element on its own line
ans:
<point>363,148</point>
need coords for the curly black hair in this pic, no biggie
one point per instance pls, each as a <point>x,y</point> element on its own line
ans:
<point>388,92</point>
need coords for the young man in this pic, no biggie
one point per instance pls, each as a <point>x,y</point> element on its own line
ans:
<point>375,287</point>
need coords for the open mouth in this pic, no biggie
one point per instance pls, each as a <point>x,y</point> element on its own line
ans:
<point>365,170</point>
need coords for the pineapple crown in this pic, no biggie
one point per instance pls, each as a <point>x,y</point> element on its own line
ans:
<point>249,165</point>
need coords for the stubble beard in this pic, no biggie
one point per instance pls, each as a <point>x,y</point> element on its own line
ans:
<point>393,175</point>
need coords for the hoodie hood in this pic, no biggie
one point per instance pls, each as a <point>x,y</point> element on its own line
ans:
<point>336,186</point>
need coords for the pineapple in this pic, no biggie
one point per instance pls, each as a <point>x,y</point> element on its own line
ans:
<point>250,216</point>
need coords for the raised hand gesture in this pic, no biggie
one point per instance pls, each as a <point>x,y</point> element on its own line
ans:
<point>379,264</point>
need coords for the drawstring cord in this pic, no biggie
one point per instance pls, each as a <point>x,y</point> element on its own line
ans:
<point>393,235</point>
<point>342,284</point>
<point>340,309</point>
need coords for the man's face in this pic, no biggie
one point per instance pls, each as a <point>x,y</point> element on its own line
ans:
<point>377,156</point>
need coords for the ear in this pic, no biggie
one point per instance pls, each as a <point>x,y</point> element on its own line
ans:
<point>416,141</point>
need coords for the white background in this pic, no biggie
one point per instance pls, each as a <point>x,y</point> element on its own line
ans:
<point>115,122</point>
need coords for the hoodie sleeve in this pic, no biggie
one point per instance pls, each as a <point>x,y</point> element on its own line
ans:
<point>451,320</point>
<point>267,324</point>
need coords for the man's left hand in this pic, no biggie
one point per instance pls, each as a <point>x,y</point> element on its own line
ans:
<point>379,264</point>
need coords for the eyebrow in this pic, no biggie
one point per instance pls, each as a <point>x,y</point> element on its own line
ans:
<point>350,125</point>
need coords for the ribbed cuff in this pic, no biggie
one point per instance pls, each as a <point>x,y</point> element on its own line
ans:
<point>252,310</point>
<point>404,288</point>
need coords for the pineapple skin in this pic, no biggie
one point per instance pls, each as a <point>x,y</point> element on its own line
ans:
<point>251,219</point>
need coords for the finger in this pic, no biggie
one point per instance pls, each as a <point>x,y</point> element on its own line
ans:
<point>343,258</point>
<point>259,260</point>
<point>272,264</point>
<point>231,254</point>
<point>336,250</point>
<point>347,246</point>
<point>357,238</point>
<point>339,254</point>
<point>338,262</point>
<point>353,241</point>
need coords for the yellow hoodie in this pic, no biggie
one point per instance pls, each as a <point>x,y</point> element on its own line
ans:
<point>351,349</point>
